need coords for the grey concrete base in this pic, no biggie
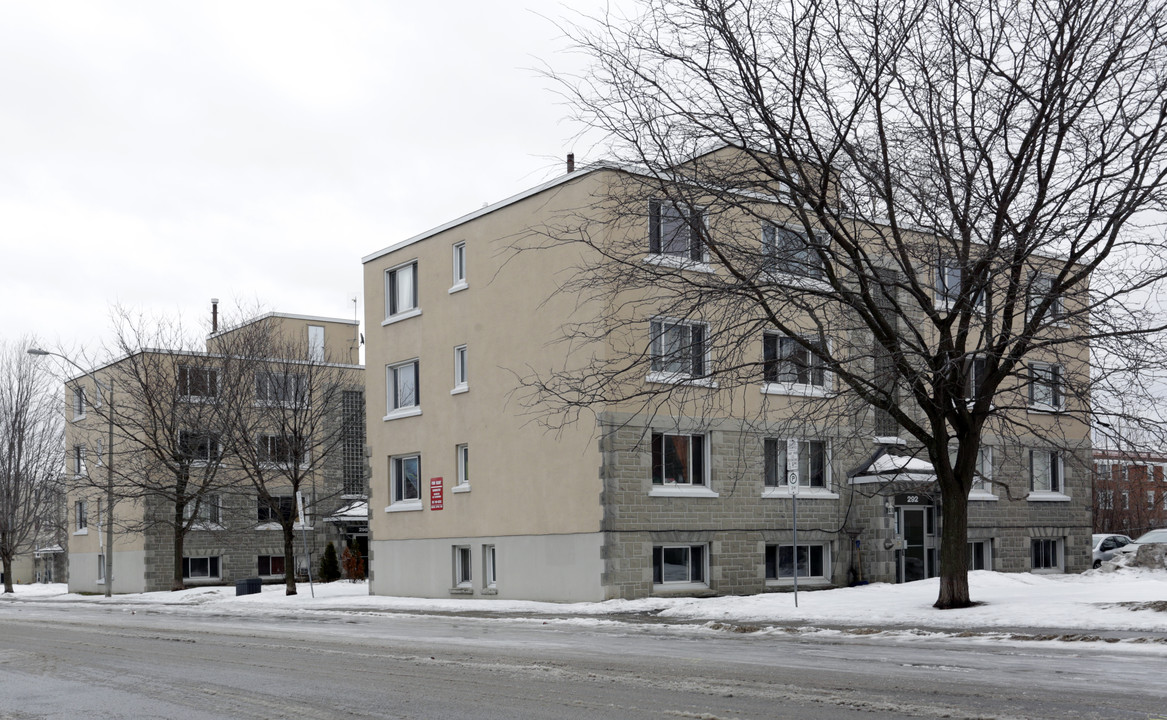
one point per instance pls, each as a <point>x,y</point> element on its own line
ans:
<point>129,569</point>
<point>556,568</point>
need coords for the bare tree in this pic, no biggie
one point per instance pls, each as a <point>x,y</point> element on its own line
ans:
<point>941,204</point>
<point>170,401</point>
<point>287,427</point>
<point>31,453</point>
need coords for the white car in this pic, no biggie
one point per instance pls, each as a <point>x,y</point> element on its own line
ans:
<point>1105,545</point>
<point>1147,538</point>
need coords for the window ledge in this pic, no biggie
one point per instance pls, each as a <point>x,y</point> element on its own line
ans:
<point>403,413</point>
<point>463,488</point>
<point>982,495</point>
<point>405,315</point>
<point>490,591</point>
<point>679,588</point>
<point>681,491</point>
<point>461,591</point>
<point>212,527</point>
<point>1045,409</point>
<point>1043,496</point>
<point>457,287</point>
<point>269,526</point>
<point>678,262</point>
<point>808,582</point>
<point>664,378</point>
<point>77,418</point>
<point>803,493</point>
<point>1047,571</point>
<point>82,531</point>
<point>459,389</point>
<point>404,506</point>
<point>778,388</point>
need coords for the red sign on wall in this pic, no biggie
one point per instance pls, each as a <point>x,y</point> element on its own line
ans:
<point>435,493</point>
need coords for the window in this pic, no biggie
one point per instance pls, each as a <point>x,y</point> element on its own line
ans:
<point>462,576</point>
<point>980,555</point>
<point>982,481</point>
<point>403,388</point>
<point>101,567</point>
<point>489,567</point>
<point>678,348</point>
<point>678,459</point>
<point>81,514</point>
<point>1150,499</point>
<point>316,343</point>
<point>1045,471</point>
<point>463,457</point>
<point>78,403</point>
<point>809,458</point>
<point>1046,554</point>
<point>459,266</point>
<point>281,450</point>
<point>1040,288</point>
<point>949,277</point>
<point>1045,386</point>
<point>406,479</point>
<point>281,508</point>
<point>790,252</point>
<point>210,510</point>
<point>198,382</point>
<point>271,565</point>
<point>79,460</point>
<point>460,369</point>
<point>1126,499</point>
<point>1105,499</point>
<point>787,361</point>
<point>200,567</point>
<point>811,562</point>
<point>353,443</point>
<point>279,387</point>
<point>975,377</point>
<point>678,564</point>
<point>198,447</point>
<point>675,231</point>
<point>401,289</point>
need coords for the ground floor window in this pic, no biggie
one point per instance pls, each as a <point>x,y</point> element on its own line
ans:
<point>489,576</point>
<point>678,564</point>
<point>271,565</point>
<point>462,576</point>
<point>101,568</point>
<point>811,561</point>
<point>1046,554</point>
<point>200,567</point>
<point>980,555</point>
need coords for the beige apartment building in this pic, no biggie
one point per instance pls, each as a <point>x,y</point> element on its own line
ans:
<point>471,494</point>
<point>233,534</point>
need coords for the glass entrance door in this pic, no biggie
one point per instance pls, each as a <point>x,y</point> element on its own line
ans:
<point>918,529</point>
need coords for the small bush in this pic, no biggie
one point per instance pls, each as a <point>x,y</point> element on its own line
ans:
<point>329,568</point>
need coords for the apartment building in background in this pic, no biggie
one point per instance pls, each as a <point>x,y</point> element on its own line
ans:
<point>234,534</point>
<point>471,496</point>
<point>1130,492</point>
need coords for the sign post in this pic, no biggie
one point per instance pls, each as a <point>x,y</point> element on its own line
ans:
<point>792,481</point>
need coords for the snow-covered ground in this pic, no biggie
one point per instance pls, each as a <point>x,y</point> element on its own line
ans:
<point>1126,599</point>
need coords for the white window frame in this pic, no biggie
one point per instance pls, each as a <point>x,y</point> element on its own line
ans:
<point>267,518</point>
<point>792,359</point>
<point>458,260</point>
<point>214,567</point>
<point>489,567</point>
<point>274,388</point>
<point>397,308</point>
<point>80,407</point>
<point>982,484</point>
<point>985,552</point>
<point>779,451</point>
<point>398,465</point>
<point>1057,545</point>
<point>463,567</point>
<point>266,443</point>
<point>269,573</point>
<point>694,253</point>
<point>949,278</point>
<point>1056,314</point>
<point>398,404</point>
<point>461,370</point>
<point>789,261</point>
<point>822,548</point>
<point>462,459</point>
<point>81,517</point>
<point>184,383</point>
<point>100,568</point>
<point>1051,377</point>
<point>694,456</point>
<point>701,565</point>
<point>79,465</point>
<point>213,446</point>
<point>316,343</point>
<point>210,513</point>
<point>1053,486</point>
<point>692,352</point>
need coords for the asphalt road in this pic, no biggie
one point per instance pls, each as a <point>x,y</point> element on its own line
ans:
<point>71,661</point>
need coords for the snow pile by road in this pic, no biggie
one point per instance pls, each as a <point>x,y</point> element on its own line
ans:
<point>1131,599</point>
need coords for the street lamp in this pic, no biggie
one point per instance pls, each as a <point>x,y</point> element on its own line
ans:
<point>109,494</point>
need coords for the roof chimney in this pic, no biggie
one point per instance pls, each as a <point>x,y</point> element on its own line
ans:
<point>571,162</point>
<point>214,314</point>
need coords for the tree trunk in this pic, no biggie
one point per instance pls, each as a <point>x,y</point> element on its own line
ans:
<point>7,564</point>
<point>179,549</point>
<point>954,552</point>
<point>289,559</point>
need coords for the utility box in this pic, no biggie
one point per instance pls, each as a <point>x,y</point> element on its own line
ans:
<point>248,586</point>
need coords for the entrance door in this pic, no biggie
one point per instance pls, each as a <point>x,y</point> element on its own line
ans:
<point>918,529</point>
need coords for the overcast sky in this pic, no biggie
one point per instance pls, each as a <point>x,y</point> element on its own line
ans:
<point>157,154</point>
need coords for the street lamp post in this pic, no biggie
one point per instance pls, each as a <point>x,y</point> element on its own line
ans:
<point>109,494</point>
